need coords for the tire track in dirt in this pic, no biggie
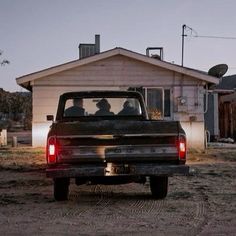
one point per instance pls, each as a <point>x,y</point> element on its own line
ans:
<point>114,205</point>
<point>201,218</point>
<point>107,205</point>
<point>198,209</point>
<point>221,194</point>
<point>198,215</point>
<point>143,206</point>
<point>91,203</point>
<point>209,212</point>
<point>120,208</point>
<point>104,198</point>
<point>200,204</point>
<point>93,198</point>
<point>68,213</point>
<point>128,208</point>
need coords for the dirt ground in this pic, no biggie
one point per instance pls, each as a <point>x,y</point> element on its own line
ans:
<point>203,203</point>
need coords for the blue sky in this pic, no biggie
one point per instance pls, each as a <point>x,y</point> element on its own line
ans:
<point>35,35</point>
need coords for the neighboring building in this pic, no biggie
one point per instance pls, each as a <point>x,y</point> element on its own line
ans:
<point>222,101</point>
<point>227,116</point>
<point>227,106</point>
<point>212,116</point>
<point>177,92</point>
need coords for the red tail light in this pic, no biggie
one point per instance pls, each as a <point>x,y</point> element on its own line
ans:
<point>182,148</point>
<point>51,150</point>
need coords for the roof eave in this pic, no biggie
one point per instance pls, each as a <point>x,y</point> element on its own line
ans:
<point>62,67</point>
<point>169,66</point>
<point>24,80</point>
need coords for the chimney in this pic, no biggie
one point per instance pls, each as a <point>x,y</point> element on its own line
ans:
<point>97,43</point>
<point>156,56</point>
<point>87,50</point>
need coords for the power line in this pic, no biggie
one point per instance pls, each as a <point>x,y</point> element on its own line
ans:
<point>211,37</point>
<point>193,33</point>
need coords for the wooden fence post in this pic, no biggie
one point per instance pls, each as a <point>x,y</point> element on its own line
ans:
<point>14,141</point>
<point>3,139</point>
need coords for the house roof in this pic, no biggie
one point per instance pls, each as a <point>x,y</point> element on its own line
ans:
<point>25,80</point>
<point>227,83</point>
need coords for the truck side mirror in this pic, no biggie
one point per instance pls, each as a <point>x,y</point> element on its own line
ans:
<point>50,117</point>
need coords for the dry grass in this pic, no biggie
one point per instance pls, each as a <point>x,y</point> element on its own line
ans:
<point>212,155</point>
<point>22,158</point>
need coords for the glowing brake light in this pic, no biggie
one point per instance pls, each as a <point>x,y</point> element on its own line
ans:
<point>182,148</point>
<point>51,150</point>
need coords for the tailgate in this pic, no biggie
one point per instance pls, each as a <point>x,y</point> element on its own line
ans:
<point>118,141</point>
<point>112,148</point>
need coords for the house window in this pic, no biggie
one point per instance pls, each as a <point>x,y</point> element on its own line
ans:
<point>158,100</point>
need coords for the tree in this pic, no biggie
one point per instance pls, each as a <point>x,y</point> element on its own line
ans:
<point>16,107</point>
<point>3,61</point>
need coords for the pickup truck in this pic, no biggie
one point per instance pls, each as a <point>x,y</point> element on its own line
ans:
<point>106,137</point>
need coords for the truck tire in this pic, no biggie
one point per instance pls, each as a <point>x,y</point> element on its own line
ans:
<point>61,189</point>
<point>159,186</point>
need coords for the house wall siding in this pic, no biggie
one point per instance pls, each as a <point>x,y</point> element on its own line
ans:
<point>195,133</point>
<point>118,72</point>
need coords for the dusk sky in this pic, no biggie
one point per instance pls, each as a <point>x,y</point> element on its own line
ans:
<point>36,35</point>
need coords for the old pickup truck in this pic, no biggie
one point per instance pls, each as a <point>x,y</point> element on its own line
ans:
<point>106,137</point>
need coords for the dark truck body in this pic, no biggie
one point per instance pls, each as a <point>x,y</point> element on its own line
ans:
<point>114,149</point>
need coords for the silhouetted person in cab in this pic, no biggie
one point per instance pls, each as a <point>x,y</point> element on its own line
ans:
<point>75,110</point>
<point>128,110</point>
<point>104,108</point>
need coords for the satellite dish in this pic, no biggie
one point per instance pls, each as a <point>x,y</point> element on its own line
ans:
<point>218,70</point>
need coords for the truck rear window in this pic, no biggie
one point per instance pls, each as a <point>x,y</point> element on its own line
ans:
<point>102,106</point>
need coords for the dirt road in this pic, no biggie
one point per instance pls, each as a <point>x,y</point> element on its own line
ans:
<point>203,203</point>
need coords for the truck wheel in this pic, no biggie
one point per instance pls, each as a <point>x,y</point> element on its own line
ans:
<point>159,186</point>
<point>61,189</point>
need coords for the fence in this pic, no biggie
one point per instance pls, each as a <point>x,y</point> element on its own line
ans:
<point>227,119</point>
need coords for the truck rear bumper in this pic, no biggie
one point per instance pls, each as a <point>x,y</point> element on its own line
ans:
<point>116,170</point>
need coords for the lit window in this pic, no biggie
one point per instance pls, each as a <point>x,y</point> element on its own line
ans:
<point>158,101</point>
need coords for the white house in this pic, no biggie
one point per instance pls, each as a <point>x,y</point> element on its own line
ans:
<point>177,92</point>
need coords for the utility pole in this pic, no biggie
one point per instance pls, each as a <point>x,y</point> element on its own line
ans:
<point>183,35</point>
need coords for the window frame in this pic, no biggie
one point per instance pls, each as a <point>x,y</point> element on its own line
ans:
<point>163,100</point>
